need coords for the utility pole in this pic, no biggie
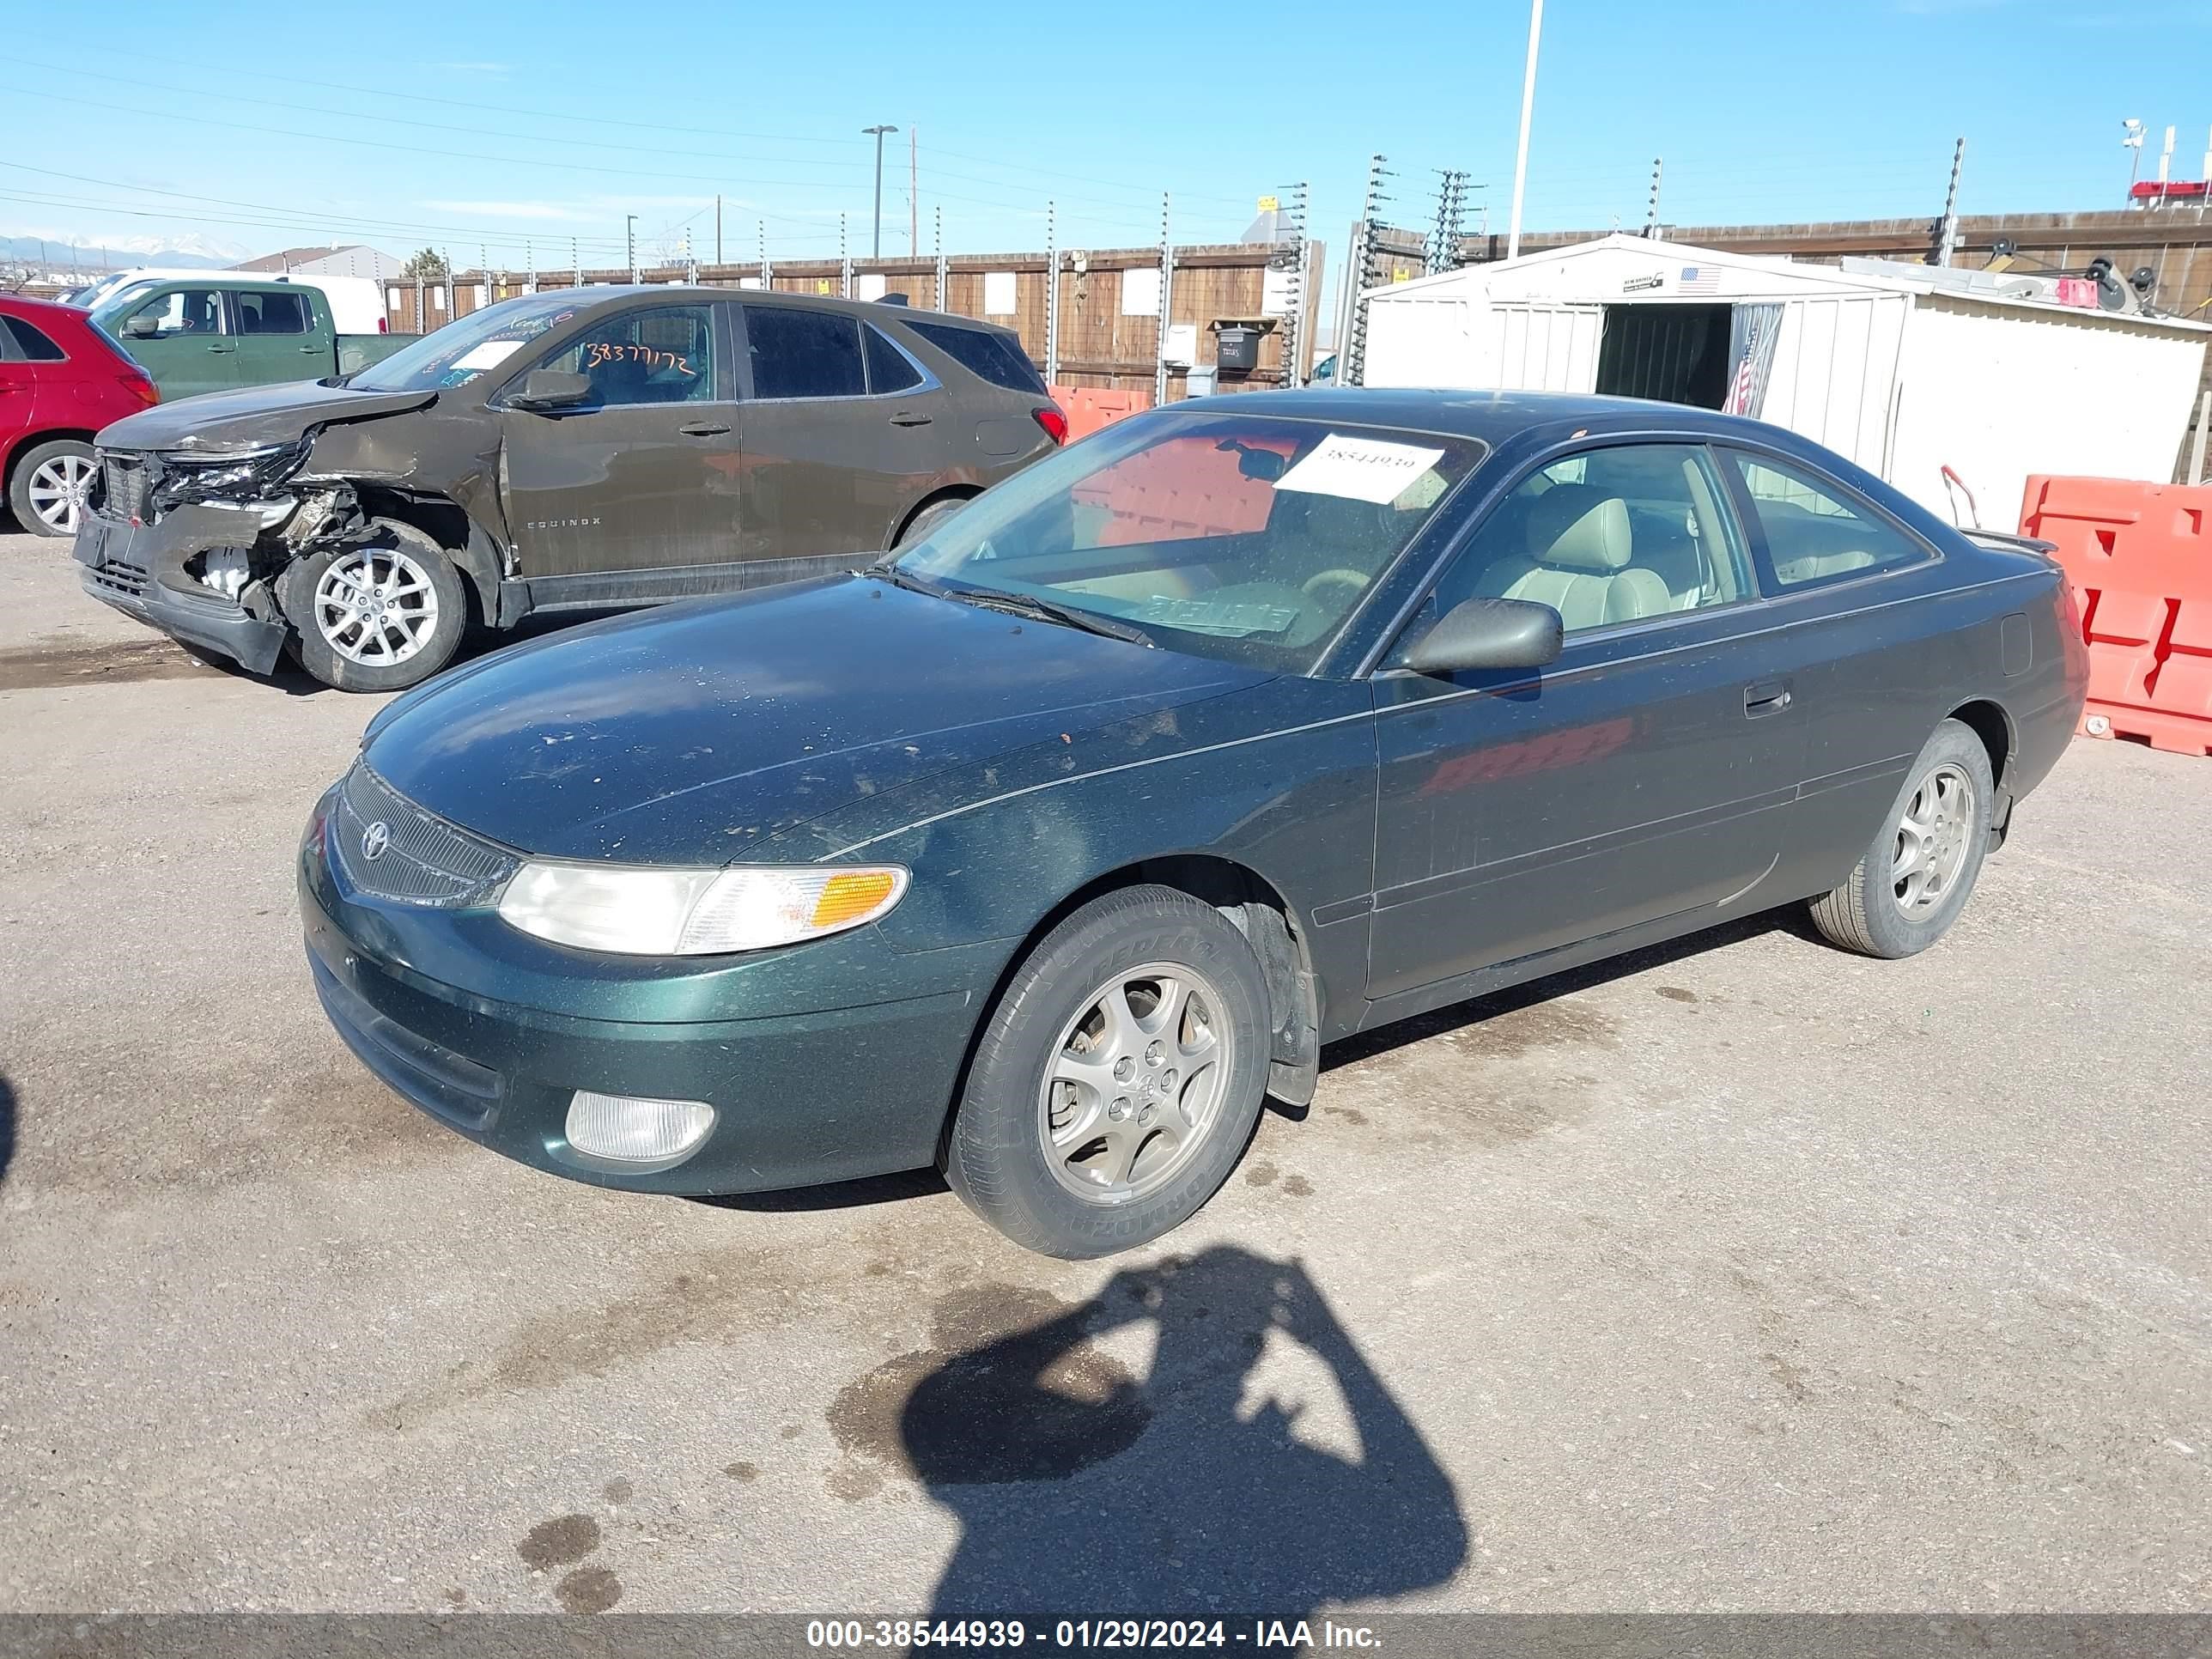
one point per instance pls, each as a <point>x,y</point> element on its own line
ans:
<point>1528,107</point>
<point>768,271</point>
<point>1051,292</point>
<point>944,274</point>
<point>844,263</point>
<point>1443,252</point>
<point>1167,310</point>
<point>879,132</point>
<point>1294,297</point>
<point>576,264</point>
<point>913,191</point>
<point>1359,276</point>
<point>447,254</point>
<point>1948,243</point>
<point>1652,213</point>
<point>718,228</point>
<point>529,258</point>
<point>629,242</point>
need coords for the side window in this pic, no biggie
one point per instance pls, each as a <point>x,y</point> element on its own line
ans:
<point>183,310</point>
<point>984,354</point>
<point>1615,535</point>
<point>661,355</point>
<point>1813,533</point>
<point>31,344</point>
<point>889,369</point>
<point>274,313</point>
<point>799,353</point>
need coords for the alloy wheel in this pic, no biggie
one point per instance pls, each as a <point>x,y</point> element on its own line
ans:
<point>376,606</point>
<point>1934,836</point>
<point>60,490</point>
<point>1135,1085</point>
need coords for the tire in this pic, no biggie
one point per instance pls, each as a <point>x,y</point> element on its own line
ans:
<point>426,610</point>
<point>924,522</point>
<point>1020,1153</point>
<point>1915,879</point>
<point>45,492</point>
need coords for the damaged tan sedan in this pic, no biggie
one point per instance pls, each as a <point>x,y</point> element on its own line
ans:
<point>557,451</point>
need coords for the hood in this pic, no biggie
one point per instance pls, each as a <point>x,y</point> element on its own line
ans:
<point>691,734</point>
<point>217,420</point>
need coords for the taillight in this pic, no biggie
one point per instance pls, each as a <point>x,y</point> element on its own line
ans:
<point>139,386</point>
<point>1053,423</point>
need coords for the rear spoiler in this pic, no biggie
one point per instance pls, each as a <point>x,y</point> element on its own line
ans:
<point>1997,541</point>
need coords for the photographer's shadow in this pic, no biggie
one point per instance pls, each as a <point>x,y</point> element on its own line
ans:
<point>1195,1490</point>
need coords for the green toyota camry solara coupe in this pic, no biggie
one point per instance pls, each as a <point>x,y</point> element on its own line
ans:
<point>1046,851</point>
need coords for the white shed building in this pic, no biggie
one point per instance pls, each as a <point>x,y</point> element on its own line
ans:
<point>1904,375</point>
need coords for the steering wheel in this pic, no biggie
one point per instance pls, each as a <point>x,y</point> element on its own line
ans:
<point>1340,577</point>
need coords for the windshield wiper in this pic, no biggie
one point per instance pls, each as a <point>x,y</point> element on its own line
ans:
<point>1042,609</point>
<point>1017,605</point>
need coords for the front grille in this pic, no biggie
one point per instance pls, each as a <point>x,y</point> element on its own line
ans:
<point>425,860</point>
<point>125,484</point>
<point>127,580</point>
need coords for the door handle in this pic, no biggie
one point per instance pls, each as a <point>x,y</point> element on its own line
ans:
<point>1768,698</point>
<point>703,429</point>
<point>904,419</point>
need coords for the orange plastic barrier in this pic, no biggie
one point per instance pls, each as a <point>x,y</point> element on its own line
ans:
<point>1088,407</point>
<point>2139,557</point>
<point>1183,488</point>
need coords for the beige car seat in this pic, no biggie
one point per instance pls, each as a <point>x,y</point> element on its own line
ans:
<point>1579,546</point>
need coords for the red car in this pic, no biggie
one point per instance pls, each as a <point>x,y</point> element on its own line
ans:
<point>61,380</point>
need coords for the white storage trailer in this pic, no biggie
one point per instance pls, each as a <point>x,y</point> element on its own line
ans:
<point>1902,375</point>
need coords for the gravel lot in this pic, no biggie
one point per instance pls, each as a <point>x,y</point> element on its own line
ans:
<point>1743,1274</point>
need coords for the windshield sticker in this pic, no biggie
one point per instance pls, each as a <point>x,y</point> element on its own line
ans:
<point>490,354</point>
<point>1359,469</point>
<point>1202,616</point>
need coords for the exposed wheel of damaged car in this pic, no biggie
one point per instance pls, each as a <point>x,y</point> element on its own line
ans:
<point>1046,848</point>
<point>381,614</point>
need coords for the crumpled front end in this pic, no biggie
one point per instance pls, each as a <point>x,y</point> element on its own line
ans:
<point>196,543</point>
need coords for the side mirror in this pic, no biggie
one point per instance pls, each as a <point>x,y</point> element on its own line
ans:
<point>1488,634</point>
<point>551,388</point>
<point>142,327</point>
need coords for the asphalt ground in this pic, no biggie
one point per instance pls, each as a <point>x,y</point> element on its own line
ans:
<point>1741,1274</point>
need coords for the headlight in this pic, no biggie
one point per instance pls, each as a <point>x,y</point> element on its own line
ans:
<point>695,912</point>
<point>242,475</point>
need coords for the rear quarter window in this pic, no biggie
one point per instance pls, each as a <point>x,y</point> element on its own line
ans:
<point>986,355</point>
<point>32,343</point>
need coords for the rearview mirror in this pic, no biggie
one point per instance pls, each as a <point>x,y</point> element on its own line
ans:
<point>1488,634</point>
<point>1261,465</point>
<point>551,388</point>
<point>142,327</point>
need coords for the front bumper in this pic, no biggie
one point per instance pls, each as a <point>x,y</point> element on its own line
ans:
<point>801,1097</point>
<point>139,570</point>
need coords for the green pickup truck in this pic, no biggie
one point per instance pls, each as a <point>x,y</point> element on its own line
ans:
<point>195,335</point>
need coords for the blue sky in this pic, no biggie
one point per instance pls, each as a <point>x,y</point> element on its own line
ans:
<point>1762,112</point>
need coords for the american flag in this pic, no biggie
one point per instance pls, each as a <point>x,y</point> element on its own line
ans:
<point>1700,279</point>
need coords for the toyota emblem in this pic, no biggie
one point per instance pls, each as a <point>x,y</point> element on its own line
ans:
<point>374,840</point>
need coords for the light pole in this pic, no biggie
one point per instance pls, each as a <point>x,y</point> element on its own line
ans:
<point>878,133</point>
<point>1527,105</point>
<point>629,242</point>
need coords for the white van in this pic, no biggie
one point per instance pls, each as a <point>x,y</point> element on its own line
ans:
<point>356,302</point>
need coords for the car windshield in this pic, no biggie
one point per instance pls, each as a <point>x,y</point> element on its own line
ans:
<point>466,348</point>
<point>106,307</point>
<point>1245,536</point>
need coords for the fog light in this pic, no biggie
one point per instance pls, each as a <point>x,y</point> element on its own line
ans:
<point>635,1132</point>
